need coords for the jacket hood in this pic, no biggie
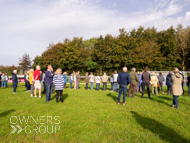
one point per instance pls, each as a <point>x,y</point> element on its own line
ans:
<point>178,75</point>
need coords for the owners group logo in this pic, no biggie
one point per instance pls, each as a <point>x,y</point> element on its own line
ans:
<point>39,124</point>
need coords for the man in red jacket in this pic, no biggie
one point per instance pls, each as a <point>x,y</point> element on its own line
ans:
<point>37,83</point>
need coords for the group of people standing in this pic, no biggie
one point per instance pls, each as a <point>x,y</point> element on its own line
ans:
<point>34,80</point>
<point>137,80</point>
<point>91,79</point>
<point>3,80</point>
<point>174,81</point>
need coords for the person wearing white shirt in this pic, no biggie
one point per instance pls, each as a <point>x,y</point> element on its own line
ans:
<point>98,80</point>
<point>91,78</point>
<point>115,75</point>
<point>111,81</point>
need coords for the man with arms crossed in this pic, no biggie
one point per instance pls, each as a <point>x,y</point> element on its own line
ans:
<point>49,82</point>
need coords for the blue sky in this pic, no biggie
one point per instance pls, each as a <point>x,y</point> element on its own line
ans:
<point>28,26</point>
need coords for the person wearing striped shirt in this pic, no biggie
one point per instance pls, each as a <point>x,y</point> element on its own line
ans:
<point>58,81</point>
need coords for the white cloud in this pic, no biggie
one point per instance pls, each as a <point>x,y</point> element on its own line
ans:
<point>42,22</point>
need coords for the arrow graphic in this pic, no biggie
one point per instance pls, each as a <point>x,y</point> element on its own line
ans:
<point>20,129</point>
<point>14,129</point>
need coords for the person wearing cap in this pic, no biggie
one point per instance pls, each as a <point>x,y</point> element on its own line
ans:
<point>176,80</point>
<point>169,83</point>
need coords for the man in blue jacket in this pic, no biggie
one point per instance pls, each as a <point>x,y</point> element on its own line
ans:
<point>14,80</point>
<point>123,80</point>
<point>49,82</point>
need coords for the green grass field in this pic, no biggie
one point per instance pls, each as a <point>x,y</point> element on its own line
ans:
<point>93,116</point>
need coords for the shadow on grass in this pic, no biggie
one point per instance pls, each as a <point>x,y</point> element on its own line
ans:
<point>113,97</point>
<point>164,132</point>
<point>165,97</point>
<point>64,97</point>
<point>162,99</point>
<point>6,113</point>
<point>162,102</point>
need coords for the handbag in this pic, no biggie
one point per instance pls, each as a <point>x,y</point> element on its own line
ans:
<point>158,85</point>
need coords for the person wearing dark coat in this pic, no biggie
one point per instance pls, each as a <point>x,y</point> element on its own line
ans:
<point>123,80</point>
<point>15,81</point>
<point>49,82</point>
<point>145,82</point>
<point>182,81</point>
<point>169,83</point>
<point>188,83</point>
<point>25,80</point>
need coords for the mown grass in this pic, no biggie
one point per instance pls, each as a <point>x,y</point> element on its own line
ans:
<point>94,116</point>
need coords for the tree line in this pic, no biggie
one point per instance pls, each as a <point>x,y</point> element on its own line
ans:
<point>160,50</point>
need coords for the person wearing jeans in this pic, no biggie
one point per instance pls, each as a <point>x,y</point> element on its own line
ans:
<point>115,75</point>
<point>49,82</point>
<point>91,78</point>
<point>115,86</point>
<point>111,81</point>
<point>176,80</point>
<point>98,80</point>
<point>124,89</point>
<point>48,92</point>
<point>104,79</point>
<point>91,85</point>
<point>123,80</point>
<point>97,86</point>
<point>71,80</point>
<point>104,86</point>
<point>3,78</point>
<point>6,79</point>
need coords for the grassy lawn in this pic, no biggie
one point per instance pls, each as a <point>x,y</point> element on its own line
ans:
<point>93,116</point>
